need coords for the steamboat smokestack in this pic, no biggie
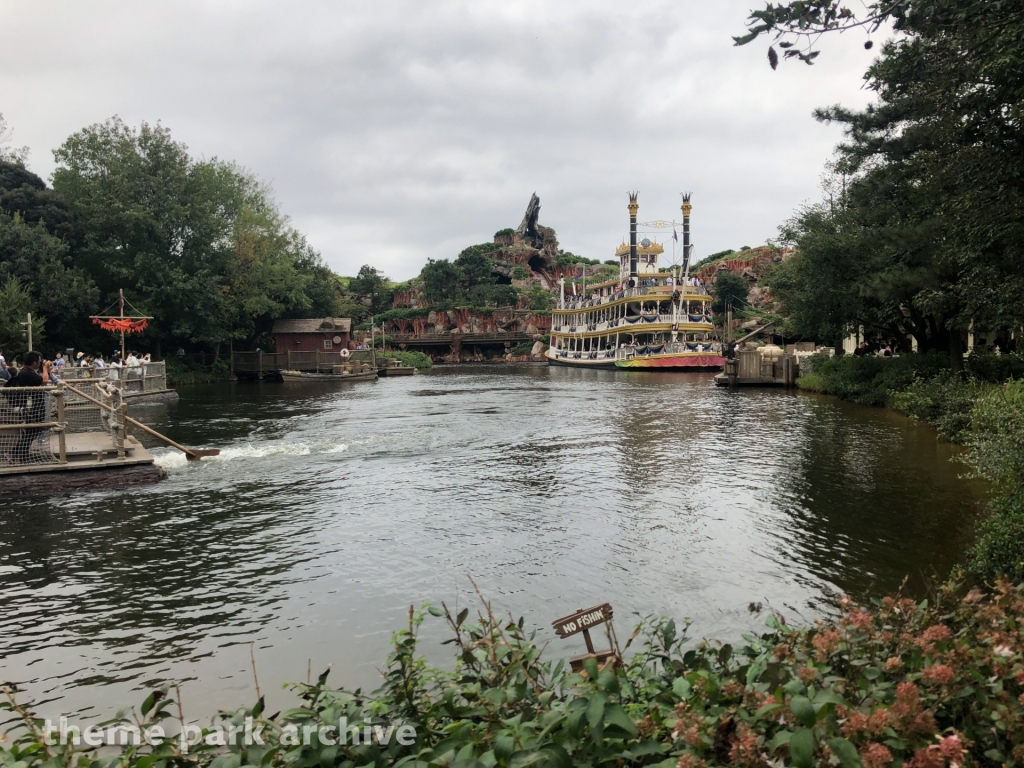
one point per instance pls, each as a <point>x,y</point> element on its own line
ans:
<point>686,232</point>
<point>634,206</point>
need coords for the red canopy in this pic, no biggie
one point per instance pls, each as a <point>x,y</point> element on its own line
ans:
<point>125,325</point>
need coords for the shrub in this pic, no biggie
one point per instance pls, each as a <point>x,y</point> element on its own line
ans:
<point>186,372</point>
<point>988,366</point>
<point>944,401</point>
<point>931,684</point>
<point>996,442</point>
<point>413,359</point>
<point>869,380</point>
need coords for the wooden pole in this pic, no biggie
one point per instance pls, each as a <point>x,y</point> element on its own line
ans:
<point>120,295</point>
<point>29,327</point>
<point>193,454</point>
<point>61,440</point>
<point>122,429</point>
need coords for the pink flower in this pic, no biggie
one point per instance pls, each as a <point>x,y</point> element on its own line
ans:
<point>875,756</point>
<point>952,748</point>
<point>940,674</point>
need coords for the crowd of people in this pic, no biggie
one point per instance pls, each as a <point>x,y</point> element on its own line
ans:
<point>131,366</point>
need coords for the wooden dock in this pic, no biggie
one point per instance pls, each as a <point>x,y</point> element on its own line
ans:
<point>752,369</point>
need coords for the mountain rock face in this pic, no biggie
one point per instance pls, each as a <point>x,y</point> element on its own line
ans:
<point>531,245</point>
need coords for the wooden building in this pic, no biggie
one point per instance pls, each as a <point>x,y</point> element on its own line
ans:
<point>324,334</point>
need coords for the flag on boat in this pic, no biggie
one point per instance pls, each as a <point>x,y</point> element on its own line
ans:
<point>675,236</point>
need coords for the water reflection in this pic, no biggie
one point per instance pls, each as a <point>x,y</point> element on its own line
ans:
<point>331,510</point>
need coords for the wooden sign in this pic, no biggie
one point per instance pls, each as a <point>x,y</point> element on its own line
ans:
<point>584,621</point>
<point>581,620</point>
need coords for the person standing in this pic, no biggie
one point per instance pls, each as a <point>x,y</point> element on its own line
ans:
<point>34,373</point>
<point>99,362</point>
<point>4,373</point>
<point>133,365</point>
<point>115,367</point>
<point>58,361</point>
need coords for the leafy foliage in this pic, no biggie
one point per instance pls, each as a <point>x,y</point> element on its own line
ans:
<point>729,286</point>
<point>440,281</point>
<point>934,683</point>
<point>928,223</point>
<point>199,244</point>
<point>371,285</point>
<point>996,442</point>
<point>15,303</point>
<point>412,359</point>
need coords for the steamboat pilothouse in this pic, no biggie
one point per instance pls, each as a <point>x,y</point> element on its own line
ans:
<point>643,319</point>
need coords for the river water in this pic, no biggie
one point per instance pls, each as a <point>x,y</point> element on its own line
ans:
<point>332,508</point>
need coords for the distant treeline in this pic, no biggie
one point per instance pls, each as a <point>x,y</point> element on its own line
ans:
<point>199,245</point>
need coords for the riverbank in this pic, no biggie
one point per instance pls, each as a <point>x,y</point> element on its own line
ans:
<point>982,408</point>
<point>931,684</point>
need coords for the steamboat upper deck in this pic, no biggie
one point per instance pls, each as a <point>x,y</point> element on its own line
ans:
<point>646,318</point>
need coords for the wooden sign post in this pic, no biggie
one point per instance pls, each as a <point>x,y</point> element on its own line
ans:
<point>583,621</point>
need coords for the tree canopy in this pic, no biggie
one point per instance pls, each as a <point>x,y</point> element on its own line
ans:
<point>929,222</point>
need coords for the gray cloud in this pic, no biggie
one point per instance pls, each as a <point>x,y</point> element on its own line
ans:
<point>397,131</point>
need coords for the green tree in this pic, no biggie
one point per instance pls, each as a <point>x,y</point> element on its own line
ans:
<point>501,295</point>
<point>15,304</point>
<point>728,286</point>
<point>474,269</point>
<point>41,265</point>
<point>158,224</point>
<point>25,194</point>
<point>937,158</point>
<point>540,299</point>
<point>440,281</point>
<point>371,285</point>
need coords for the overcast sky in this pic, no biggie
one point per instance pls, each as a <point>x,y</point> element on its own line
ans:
<point>397,131</point>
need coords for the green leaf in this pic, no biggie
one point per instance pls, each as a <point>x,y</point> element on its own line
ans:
<point>435,611</point>
<point>615,716</point>
<point>559,757</point>
<point>681,687</point>
<point>845,751</point>
<point>461,617</point>
<point>780,738</point>
<point>227,761</point>
<point>825,697</point>
<point>504,746</point>
<point>608,681</point>
<point>801,749</point>
<point>803,710</point>
<point>595,710</point>
<point>494,695</point>
<point>148,703</point>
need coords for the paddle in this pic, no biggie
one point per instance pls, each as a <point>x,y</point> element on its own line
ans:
<point>191,454</point>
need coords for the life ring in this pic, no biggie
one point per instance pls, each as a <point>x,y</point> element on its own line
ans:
<point>344,353</point>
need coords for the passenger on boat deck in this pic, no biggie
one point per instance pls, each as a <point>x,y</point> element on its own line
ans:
<point>99,362</point>
<point>80,359</point>
<point>34,373</point>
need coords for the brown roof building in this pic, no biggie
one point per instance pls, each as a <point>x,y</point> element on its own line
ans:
<point>312,334</point>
